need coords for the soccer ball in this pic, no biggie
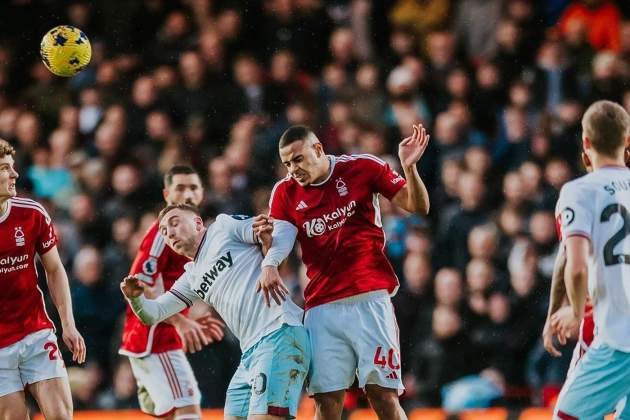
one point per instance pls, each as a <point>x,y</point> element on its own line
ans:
<point>65,50</point>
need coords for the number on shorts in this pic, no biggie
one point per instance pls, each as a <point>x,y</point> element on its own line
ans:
<point>381,360</point>
<point>52,350</point>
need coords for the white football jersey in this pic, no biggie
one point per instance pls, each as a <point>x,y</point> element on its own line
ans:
<point>596,206</point>
<point>224,274</point>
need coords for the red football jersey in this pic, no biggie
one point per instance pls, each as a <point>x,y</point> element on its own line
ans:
<point>25,230</point>
<point>339,227</point>
<point>155,263</point>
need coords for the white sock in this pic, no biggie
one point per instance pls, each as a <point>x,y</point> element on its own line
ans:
<point>189,416</point>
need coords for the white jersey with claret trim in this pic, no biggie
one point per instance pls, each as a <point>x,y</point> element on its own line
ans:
<point>597,207</point>
<point>224,275</point>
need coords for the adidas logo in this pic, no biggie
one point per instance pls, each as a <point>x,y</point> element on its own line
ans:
<point>301,206</point>
<point>392,375</point>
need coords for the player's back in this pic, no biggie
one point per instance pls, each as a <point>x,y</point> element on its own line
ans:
<point>25,230</point>
<point>596,206</point>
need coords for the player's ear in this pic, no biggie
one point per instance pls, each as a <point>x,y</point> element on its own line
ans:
<point>165,194</point>
<point>626,155</point>
<point>198,223</point>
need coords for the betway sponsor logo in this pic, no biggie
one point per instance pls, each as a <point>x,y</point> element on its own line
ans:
<point>10,260</point>
<point>330,221</point>
<point>211,275</point>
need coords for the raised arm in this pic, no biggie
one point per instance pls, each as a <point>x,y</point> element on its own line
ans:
<point>413,197</point>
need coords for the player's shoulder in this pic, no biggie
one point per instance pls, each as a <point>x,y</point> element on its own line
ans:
<point>28,205</point>
<point>588,183</point>
<point>359,159</point>
<point>283,187</point>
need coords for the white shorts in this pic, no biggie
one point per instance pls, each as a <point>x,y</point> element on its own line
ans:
<point>34,358</point>
<point>356,336</point>
<point>165,382</point>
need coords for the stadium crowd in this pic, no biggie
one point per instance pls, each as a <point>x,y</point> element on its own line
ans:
<point>501,85</point>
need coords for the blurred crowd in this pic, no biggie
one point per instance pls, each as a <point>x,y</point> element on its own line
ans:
<point>500,84</point>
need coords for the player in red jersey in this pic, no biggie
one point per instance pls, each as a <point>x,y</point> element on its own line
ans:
<point>29,355</point>
<point>166,383</point>
<point>332,203</point>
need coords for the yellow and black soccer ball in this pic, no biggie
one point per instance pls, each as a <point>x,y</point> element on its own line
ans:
<point>65,50</point>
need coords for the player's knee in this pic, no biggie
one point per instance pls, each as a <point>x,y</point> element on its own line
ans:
<point>330,401</point>
<point>383,398</point>
<point>60,411</point>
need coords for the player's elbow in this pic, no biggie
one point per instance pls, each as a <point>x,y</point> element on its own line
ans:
<point>576,271</point>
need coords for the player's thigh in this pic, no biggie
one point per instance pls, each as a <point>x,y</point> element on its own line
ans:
<point>600,381</point>
<point>377,344</point>
<point>166,382</point>
<point>279,368</point>
<point>333,360</point>
<point>238,394</point>
<point>53,398</point>
<point>13,406</point>
<point>10,380</point>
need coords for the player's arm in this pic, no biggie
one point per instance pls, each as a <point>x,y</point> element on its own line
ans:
<point>576,273</point>
<point>60,293</point>
<point>282,240</point>
<point>413,196</point>
<point>557,297</point>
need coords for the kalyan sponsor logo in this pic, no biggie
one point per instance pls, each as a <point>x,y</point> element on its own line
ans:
<point>13,260</point>
<point>330,221</point>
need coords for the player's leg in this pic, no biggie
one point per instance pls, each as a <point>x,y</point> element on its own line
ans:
<point>12,399</point>
<point>53,398</point>
<point>239,392</point>
<point>280,363</point>
<point>600,380</point>
<point>166,385</point>
<point>42,368</point>
<point>13,406</point>
<point>333,361</point>
<point>377,344</point>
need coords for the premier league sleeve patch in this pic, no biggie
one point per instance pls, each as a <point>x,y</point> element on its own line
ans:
<point>150,266</point>
<point>567,216</point>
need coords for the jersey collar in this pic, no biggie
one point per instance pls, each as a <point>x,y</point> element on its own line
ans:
<point>6,213</point>
<point>332,160</point>
<point>203,240</point>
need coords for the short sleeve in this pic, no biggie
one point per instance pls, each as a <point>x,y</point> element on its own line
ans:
<point>574,212</point>
<point>239,227</point>
<point>277,204</point>
<point>46,236</point>
<point>386,180</point>
<point>182,290</point>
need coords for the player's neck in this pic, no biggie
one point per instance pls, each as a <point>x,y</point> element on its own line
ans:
<point>326,168</point>
<point>601,161</point>
<point>197,244</point>
<point>4,205</point>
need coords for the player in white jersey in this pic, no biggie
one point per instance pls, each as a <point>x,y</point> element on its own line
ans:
<point>595,223</point>
<point>226,267</point>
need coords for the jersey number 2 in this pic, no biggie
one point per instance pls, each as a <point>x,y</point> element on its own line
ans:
<point>52,349</point>
<point>610,258</point>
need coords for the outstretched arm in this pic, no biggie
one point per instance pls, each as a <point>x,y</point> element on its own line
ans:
<point>557,296</point>
<point>413,197</point>
<point>150,311</point>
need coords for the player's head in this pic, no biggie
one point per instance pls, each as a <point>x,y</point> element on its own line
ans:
<point>180,225</point>
<point>605,131</point>
<point>182,185</point>
<point>8,174</point>
<point>303,155</point>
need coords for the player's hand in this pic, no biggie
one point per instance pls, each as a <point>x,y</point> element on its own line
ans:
<point>193,335</point>
<point>75,343</point>
<point>411,149</point>
<point>131,287</point>
<point>263,228</point>
<point>212,326</point>
<point>547,336</point>
<point>565,324</point>
<point>270,284</point>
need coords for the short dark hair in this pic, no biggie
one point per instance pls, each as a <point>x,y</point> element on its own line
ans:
<point>295,133</point>
<point>606,124</point>
<point>182,206</point>
<point>178,170</point>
